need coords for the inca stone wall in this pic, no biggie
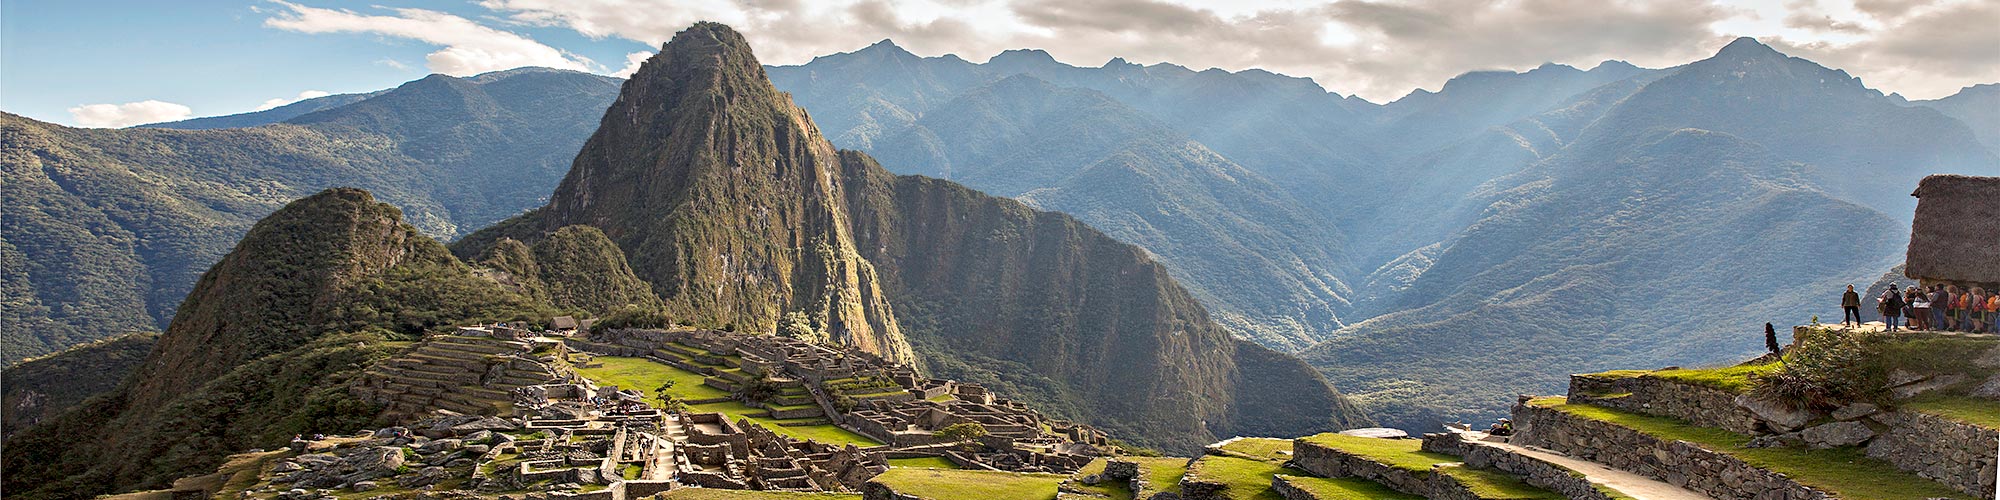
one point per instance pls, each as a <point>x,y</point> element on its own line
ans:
<point>1703,406</point>
<point>1532,470</point>
<point>1678,463</point>
<point>1958,455</point>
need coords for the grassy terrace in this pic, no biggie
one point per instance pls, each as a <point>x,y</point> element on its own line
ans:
<point>1267,449</point>
<point>1975,411</point>
<point>711,494</point>
<point>1407,454</point>
<point>1347,488</point>
<point>1163,474</point>
<point>1847,472</point>
<point>983,485</point>
<point>932,462</point>
<point>1243,478</point>
<point>1739,378</point>
<point>646,374</point>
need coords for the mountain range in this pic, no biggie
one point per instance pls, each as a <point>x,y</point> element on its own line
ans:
<point>704,197</point>
<point>1433,255</point>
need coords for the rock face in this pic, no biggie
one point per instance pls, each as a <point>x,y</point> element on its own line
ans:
<point>725,198</point>
<point>574,268</point>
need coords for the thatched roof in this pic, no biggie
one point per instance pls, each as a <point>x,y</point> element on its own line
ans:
<point>1956,234</point>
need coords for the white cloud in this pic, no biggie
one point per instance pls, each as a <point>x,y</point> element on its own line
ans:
<point>1380,49</point>
<point>469,48</point>
<point>128,114</point>
<point>632,62</point>
<point>280,101</point>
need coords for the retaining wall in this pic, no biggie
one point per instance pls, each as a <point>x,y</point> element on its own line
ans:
<point>1532,470</point>
<point>1953,453</point>
<point>1704,406</point>
<point>1679,463</point>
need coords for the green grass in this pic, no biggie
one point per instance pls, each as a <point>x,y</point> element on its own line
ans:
<point>715,494</point>
<point>1242,478</point>
<point>1266,449</point>
<point>1115,490</point>
<point>1346,488</point>
<point>645,375</point>
<point>1975,411</point>
<point>1847,472</point>
<point>1406,454</point>
<point>1163,474</point>
<point>937,462</point>
<point>1739,378</point>
<point>983,485</point>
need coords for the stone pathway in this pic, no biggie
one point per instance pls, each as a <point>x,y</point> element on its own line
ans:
<point>1633,485</point>
<point>1876,326</point>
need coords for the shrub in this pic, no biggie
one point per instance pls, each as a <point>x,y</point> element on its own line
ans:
<point>1826,369</point>
<point>966,431</point>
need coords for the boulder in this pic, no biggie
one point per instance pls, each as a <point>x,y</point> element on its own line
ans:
<point>1778,416</point>
<point>424,477</point>
<point>483,424</point>
<point>1990,389</point>
<point>1837,434</point>
<point>1854,411</point>
<point>441,445</point>
<point>1911,390</point>
<point>362,486</point>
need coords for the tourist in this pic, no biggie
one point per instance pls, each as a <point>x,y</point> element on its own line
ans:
<point>1891,304</point>
<point>1940,300</point>
<point>1975,310</point>
<point>1960,298</point>
<point>1920,309</point>
<point>1910,308</point>
<point>1993,313</point>
<point>1504,427</point>
<point>1850,306</point>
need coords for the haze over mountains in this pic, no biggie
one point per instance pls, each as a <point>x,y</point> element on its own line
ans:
<point>1558,219</point>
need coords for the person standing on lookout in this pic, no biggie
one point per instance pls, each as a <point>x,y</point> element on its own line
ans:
<point>1892,307</point>
<point>1850,306</point>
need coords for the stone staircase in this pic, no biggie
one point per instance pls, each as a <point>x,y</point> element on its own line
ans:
<point>466,374</point>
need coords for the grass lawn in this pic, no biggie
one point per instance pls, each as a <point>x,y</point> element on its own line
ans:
<point>1966,409</point>
<point>645,375</point>
<point>714,494</point>
<point>1739,378</point>
<point>1266,449</point>
<point>1346,488</point>
<point>1242,478</point>
<point>937,462</point>
<point>1847,472</point>
<point>1115,490</point>
<point>1408,454</point>
<point>982,485</point>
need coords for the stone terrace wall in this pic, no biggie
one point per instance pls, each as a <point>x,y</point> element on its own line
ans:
<point>1956,454</point>
<point>1326,461</point>
<point>1534,471</point>
<point>1703,406</point>
<point>1679,463</point>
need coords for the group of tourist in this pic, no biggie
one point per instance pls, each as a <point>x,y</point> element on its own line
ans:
<point>1938,308</point>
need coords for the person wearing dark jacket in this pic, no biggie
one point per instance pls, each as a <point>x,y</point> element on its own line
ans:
<point>1771,340</point>
<point>1892,307</point>
<point>1850,306</point>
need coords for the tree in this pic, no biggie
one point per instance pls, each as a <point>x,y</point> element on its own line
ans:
<point>667,400</point>
<point>958,432</point>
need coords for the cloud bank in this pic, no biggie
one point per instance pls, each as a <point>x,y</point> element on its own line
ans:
<point>1378,49</point>
<point>469,47</point>
<point>128,114</point>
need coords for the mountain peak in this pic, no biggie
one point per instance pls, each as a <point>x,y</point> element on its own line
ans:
<point>1024,56</point>
<point>1746,47</point>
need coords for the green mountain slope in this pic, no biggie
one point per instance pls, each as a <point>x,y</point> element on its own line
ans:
<point>1249,251</point>
<point>262,349</point>
<point>46,386</point>
<point>265,117</point>
<point>731,204</point>
<point>1978,106</point>
<point>104,231</point>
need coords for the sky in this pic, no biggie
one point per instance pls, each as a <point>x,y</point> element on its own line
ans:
<point>103,63</point>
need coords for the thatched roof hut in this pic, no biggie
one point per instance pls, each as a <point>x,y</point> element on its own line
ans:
<point>1956,234</point>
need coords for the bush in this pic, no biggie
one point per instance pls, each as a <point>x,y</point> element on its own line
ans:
<point>966,431</point>
<point>1828,368</point>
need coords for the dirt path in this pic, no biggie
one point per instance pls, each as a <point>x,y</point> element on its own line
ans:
<point>1633,485</point>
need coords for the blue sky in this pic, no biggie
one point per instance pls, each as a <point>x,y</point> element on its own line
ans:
<point>117,63</point>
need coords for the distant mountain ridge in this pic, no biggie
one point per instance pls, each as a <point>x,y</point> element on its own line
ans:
<point>105,231</point>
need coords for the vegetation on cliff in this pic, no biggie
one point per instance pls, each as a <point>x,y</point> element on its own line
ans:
<point>263,349</point>
<point>48,385</point>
